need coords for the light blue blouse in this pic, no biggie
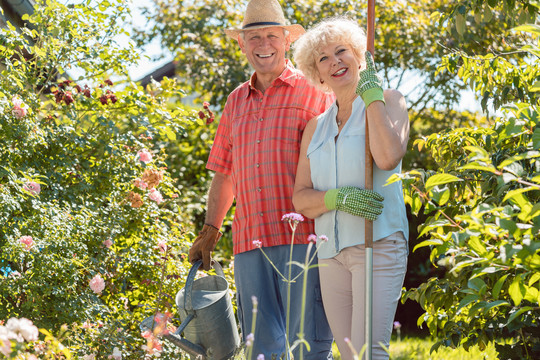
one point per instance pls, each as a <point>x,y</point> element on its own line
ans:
<point>341,162</point>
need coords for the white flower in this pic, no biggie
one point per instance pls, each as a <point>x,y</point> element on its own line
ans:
<point>23,329</point>
<point>117,354</point>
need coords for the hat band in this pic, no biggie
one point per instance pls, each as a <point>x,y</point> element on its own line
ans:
<point>262,23</point>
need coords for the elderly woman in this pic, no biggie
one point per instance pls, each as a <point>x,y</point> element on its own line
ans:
<point>330,181</point>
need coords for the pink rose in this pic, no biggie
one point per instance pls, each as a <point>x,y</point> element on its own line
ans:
<point>162,246</point>
<point>155,195</point>
<point>107,243</point>
<point>28,241</point>
<point>19,108</point>
<point>145,156</point>
<point>32,187</point>
<point>140,184</point>
<point>97,284</point>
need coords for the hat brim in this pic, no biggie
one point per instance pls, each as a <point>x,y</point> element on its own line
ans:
<point>295,30</point>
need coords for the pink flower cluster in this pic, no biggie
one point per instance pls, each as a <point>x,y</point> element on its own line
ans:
<point>257,243</point>
<point>292,217</point>
<point>27,241</point>
<point>32,187</point>
<point>145,156</point>
<point>155,195</point>
<point>97,284</point>
<point>19,108</point>
<point>107,243</point>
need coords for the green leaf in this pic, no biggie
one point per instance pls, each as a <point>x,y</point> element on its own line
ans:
<point>532,28</point>
<point>517,313</point>
<point>517,290</point>
<point>440,179</point>
<point>513,193</point>
<point>428,243</point>
<point>467,300</point>
<point>460,24</point>
<point>495,304</point>
<point>498,286</point>
<point>477,246</point>
<point>535,87</point>
<point>534,279</point>
<point>476,284</point>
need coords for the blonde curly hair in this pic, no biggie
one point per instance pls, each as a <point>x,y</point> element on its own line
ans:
<point>308,47</point>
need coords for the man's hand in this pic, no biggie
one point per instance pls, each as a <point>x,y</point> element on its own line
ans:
<point>370,84</point>
<point>355,201</point>
<point>203,246</point>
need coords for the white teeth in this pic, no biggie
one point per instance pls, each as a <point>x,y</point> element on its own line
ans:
<point>264,56</point>
<point>340,72</point>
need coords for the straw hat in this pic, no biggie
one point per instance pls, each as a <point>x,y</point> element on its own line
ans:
<point>265,13</point>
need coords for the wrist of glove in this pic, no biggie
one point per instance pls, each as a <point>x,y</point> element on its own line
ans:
<point>204,245</point>
<point>369,85</point>
<point>355,201</point>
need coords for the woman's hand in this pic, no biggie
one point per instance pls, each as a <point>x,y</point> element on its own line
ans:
<point>369,86</point>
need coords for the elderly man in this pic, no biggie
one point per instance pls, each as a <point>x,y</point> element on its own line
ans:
<point>254,156</point>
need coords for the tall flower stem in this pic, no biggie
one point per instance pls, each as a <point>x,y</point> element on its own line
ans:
<point>304,291</point>
<point>289,291</point>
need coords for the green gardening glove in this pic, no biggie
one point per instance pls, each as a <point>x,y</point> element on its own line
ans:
<point>370,84</point>
<point>355,201</point>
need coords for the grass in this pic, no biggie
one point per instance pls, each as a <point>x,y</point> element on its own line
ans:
<point>418,349</point>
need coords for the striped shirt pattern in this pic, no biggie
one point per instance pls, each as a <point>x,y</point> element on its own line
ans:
<point>258,143</point>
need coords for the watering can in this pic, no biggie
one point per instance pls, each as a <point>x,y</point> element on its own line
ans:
<point>208,322</point>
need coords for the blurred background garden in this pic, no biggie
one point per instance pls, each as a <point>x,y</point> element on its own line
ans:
<point>108,110</point>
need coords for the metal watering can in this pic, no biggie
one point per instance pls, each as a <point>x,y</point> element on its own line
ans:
<point>208,322</point>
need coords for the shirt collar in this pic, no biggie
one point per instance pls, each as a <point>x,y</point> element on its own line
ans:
<point>288,77</point>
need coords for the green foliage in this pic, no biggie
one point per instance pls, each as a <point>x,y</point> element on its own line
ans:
<point>80,139</point>
<point>482,202</point>
<point>501,71</point>
<point>483,226</point>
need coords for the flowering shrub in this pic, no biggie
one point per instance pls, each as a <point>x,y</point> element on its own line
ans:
<point>93,234</point>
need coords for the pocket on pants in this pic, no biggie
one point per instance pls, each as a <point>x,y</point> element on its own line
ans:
<point>322,328</point>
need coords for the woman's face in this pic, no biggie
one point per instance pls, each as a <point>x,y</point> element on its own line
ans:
<point>338,66</point>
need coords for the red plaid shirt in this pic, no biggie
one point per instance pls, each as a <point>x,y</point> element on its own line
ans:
<point>257,143</point>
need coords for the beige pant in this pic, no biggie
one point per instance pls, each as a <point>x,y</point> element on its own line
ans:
<point>342,284</point>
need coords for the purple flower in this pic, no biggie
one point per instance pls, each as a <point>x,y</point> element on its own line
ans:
<point>397,325</point>
<point>312,238</point>
<point>249,339</point>
<point>292,217</point>
<point>323,238</point>
<point>260,357</point>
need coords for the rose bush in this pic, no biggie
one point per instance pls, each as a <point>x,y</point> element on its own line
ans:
<point>94,233</point>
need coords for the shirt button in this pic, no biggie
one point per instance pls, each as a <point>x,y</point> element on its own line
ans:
<point>260,99</point>
<point>259,189</point>
<point>261,119</point>
<point>258,165</point>
<point>258,141</point>
<point>261,214</point>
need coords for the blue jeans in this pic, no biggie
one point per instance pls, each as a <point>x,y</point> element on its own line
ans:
<point>255,276</point>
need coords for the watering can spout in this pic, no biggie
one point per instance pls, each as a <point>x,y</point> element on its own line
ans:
<point>187,346</point>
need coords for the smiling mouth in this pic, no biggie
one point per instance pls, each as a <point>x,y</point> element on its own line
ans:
<point>340,72</point>
<point>265,56</point>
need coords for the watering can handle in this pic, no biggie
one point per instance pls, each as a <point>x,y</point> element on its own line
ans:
<point>188,306</point>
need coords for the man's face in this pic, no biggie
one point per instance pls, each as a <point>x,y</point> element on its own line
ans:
<point>265,50</point>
